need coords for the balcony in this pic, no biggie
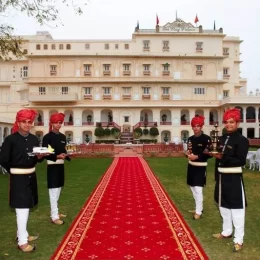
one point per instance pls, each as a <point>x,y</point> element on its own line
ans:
<point>166,48</point>
<point>88,123</point>
<point>166,73</point>
<point>68,123</point>
<point>165,96</point>
<point>146,96</point>
<point>199,49</point>
<point>38,123</point>
<point>146,72</point>
<point>146,48</point>
<point>87,73</point>
<point>52,97</point>
<point>126,72</point>
<point>225,54</point>
<point>185,122</point>
<point>107,96</point>
<point>199,72</point>
<point>106,72</point>
<point>165,123</point>
<point>87,96</point>
<point>226,76</point>
<point>126,96</point>
<point>53,72</point>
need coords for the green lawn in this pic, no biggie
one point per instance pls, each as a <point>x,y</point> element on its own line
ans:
<point>82,175</point>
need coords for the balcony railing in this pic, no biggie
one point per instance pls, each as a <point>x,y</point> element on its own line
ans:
<point>165,96</point>
<point>146,96</point>
<point>213,122</point>
<point>127,72</point>
<point>106,72</point>
<point>87,96</point>
<point>87,123</point>
<point>146,72</point>
<point>166,73</point>
<point>52,97</point>
<point>185,122</point>
<point>38,124</point>
<point>199,72</point>
<point>68,123</point>
<point>165,123</point>
<point>87,73</point>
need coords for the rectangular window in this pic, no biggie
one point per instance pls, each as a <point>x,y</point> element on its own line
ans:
<point>24,72</point>
<point>126,119</point>
<point>165,91</point>
<point>199,91</point>
<point>61,46</point>
<point>199,46</point>
<point>106,91</point>
<point>87,46</point>
<point>225,93</point>
<point>53,47</point>
<point>64,90</point>
<point>45,46</point>
<point>127,91</point>
<point>225,51</point>
<point>116,46</point>
<point>146,91</point>
<point>165,45</point>
<point>126,46</point>
<point>199,67</point>
<point>87,91</point>
<point>146,44</point>
<point>53,70</point>
<point>166,67</point>
<point>42,91</point>
<point>87,67</point>
<point>126,67</point>
<point>106,67</point>
<point>146,67</point>
<point>225,71</point>
<point>106,46</point>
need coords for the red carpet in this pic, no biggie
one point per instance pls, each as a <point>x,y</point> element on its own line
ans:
<point>129,216</point>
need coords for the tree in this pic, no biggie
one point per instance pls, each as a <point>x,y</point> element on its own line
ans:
<point>44,12</point>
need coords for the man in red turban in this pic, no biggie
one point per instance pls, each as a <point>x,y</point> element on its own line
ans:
<point>229,189</point>
<point>15,156</point>
<point>24,115</point>
<point>196,172</point>
<point>55,165</point>
<point>55,118</point>
<point>197,120</point>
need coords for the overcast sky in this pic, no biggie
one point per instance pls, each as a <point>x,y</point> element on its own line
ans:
<point>116,19</point>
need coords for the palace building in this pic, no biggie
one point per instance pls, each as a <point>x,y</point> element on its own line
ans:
<point>159,78</point>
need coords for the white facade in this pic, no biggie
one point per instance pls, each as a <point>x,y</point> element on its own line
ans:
<point>161,77</point>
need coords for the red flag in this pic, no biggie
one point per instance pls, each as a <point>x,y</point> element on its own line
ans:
<point>157,20</point>
<point>196,19</point>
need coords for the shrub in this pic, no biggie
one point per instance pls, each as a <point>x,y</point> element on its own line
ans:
<point>145,131</point>
<point>107,131</point>
<point>154,131</point>
<point>138,132</point>
<point>99,131</point>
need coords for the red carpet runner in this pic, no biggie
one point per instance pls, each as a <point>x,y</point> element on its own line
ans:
<point>129,216</point>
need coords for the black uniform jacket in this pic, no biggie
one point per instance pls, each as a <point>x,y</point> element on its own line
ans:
<point>196,175</point>
<point>14,154</point>
<point>55,172</point>
<point>228,189</point>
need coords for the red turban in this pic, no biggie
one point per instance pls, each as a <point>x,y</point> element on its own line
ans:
<point>55,118</point>
<point>232,113</point>
<point>22,115</point>
<point>197,120</point>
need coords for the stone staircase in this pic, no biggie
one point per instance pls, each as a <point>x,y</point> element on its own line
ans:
<point>126,137</point>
